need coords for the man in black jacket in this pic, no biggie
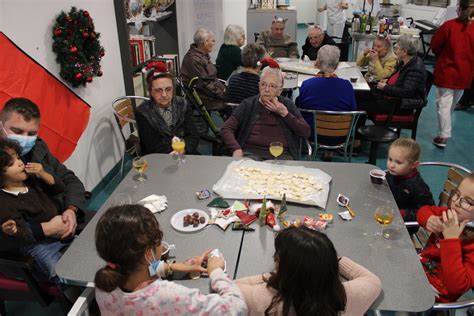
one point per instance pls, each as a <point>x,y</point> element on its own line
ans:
<point>20,120</point>
<point>315,40</point>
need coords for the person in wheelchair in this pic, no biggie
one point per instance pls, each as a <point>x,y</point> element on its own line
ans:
<point>197,63</point>
<point>263,119</point>
<point>165,115</point>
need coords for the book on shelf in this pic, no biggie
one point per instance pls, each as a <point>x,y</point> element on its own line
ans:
<point>142,47</point>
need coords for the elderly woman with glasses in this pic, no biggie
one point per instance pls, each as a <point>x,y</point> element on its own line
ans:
<point>165,115</point>
<point>381,61</point>
<point>263,119</point>
<point>448,258</point>
<point>228,58</point>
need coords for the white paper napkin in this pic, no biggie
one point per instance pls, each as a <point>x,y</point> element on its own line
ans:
<point>155,203</point>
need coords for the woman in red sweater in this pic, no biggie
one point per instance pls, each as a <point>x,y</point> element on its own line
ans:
<point>453,45</point>
<point>448,258</point>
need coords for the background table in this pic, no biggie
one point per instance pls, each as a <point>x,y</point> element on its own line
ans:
<point>405,287</point>
<point>394,261</point>
<point>352,71</point>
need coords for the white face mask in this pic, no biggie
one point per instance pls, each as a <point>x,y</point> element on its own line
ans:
<point>26,142</point>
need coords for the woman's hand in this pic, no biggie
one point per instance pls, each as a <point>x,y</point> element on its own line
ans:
<point>276,106</point>
<point>434,224</point>
<point>9,227</point>
<point>451,227</point>
<point>373,55</point>
<point>381,84</point>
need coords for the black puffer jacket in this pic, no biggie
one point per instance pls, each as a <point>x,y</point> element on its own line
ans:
<point>410,85</point>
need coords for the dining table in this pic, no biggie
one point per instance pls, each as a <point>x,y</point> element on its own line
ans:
<point>299,71</point>
<point>394,259</point>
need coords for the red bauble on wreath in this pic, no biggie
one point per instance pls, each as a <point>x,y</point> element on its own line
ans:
<point>75,42</point>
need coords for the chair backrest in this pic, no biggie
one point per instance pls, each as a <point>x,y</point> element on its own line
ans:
<point>124,113</point>
<point>17,281</point>
<point>333,125</point>
<point>456,174</point>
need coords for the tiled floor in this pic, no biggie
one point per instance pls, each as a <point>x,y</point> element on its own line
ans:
<point>460,150</point>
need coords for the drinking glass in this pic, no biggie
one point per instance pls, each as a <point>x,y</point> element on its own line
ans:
<point>179,146</point>
<point>122,199</point>
<point>140,164</point>
<point>384,217</point>
<point>276,149</point>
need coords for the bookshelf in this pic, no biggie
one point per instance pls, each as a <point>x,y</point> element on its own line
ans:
<point>154,37</point>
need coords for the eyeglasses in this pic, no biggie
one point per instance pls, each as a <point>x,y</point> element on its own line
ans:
<point>269,85</point>
<point>165,90</point>
<point>464,202</point>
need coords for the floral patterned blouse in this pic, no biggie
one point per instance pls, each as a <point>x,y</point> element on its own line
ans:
<point>168,298</point>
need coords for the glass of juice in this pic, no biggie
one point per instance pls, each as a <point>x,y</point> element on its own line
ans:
<point>179,146</point>
<point>276,149</point>
<point>384,217</point>
<point>140,164</point>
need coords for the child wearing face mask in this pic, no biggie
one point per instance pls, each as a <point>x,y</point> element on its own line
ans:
<point>30,220</point>
<point>131,282</point>
<point>448,258</point>
<point>408,187</point>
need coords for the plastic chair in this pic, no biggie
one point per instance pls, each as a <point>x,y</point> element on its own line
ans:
<point>123,108</point>
<point>334,124</point>
<point>454,177</point>
<point>18,284</point>
<point>409,121</point>
<point>84,303</point>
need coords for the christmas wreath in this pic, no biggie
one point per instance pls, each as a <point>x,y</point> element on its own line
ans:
<point>77,47</point>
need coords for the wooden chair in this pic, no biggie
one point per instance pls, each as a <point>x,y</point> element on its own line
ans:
<point>409,121</point>
<point>332,124</point>
<point>455,175</point>
<point>18,284</point>
<point>123,108</point>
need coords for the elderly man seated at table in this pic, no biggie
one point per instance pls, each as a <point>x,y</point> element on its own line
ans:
<point>165,115</point>
<point>315,40</point>
<point>381,61</point>
<point>277,42</point>
<point>244,84</point>
<point>263,119</point>
<point>197,63</point>
<point>326,92</point>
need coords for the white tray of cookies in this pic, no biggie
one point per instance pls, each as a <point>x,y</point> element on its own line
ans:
<point>248,179</point>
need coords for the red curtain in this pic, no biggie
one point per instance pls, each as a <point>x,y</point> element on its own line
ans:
<point>64,115</point>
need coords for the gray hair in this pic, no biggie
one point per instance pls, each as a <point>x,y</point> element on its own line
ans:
<point>251,54</point>
<point>232,34</point>
<point>201,36</point>
<point>328,57</point>
<point>275,72</point>
<point>315,27</point>
<point>386,42</point>
<point>409,43</point>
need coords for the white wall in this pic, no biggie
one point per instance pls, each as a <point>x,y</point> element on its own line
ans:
<point>28,23</point>
<point>235,12</point>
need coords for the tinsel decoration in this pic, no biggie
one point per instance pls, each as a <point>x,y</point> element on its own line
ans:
<point>77,47</point>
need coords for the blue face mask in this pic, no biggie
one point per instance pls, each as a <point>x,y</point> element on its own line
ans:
<point>153,266</point>
<point>26,142</point>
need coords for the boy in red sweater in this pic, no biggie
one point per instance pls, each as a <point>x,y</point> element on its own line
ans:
<point>448,258</point>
